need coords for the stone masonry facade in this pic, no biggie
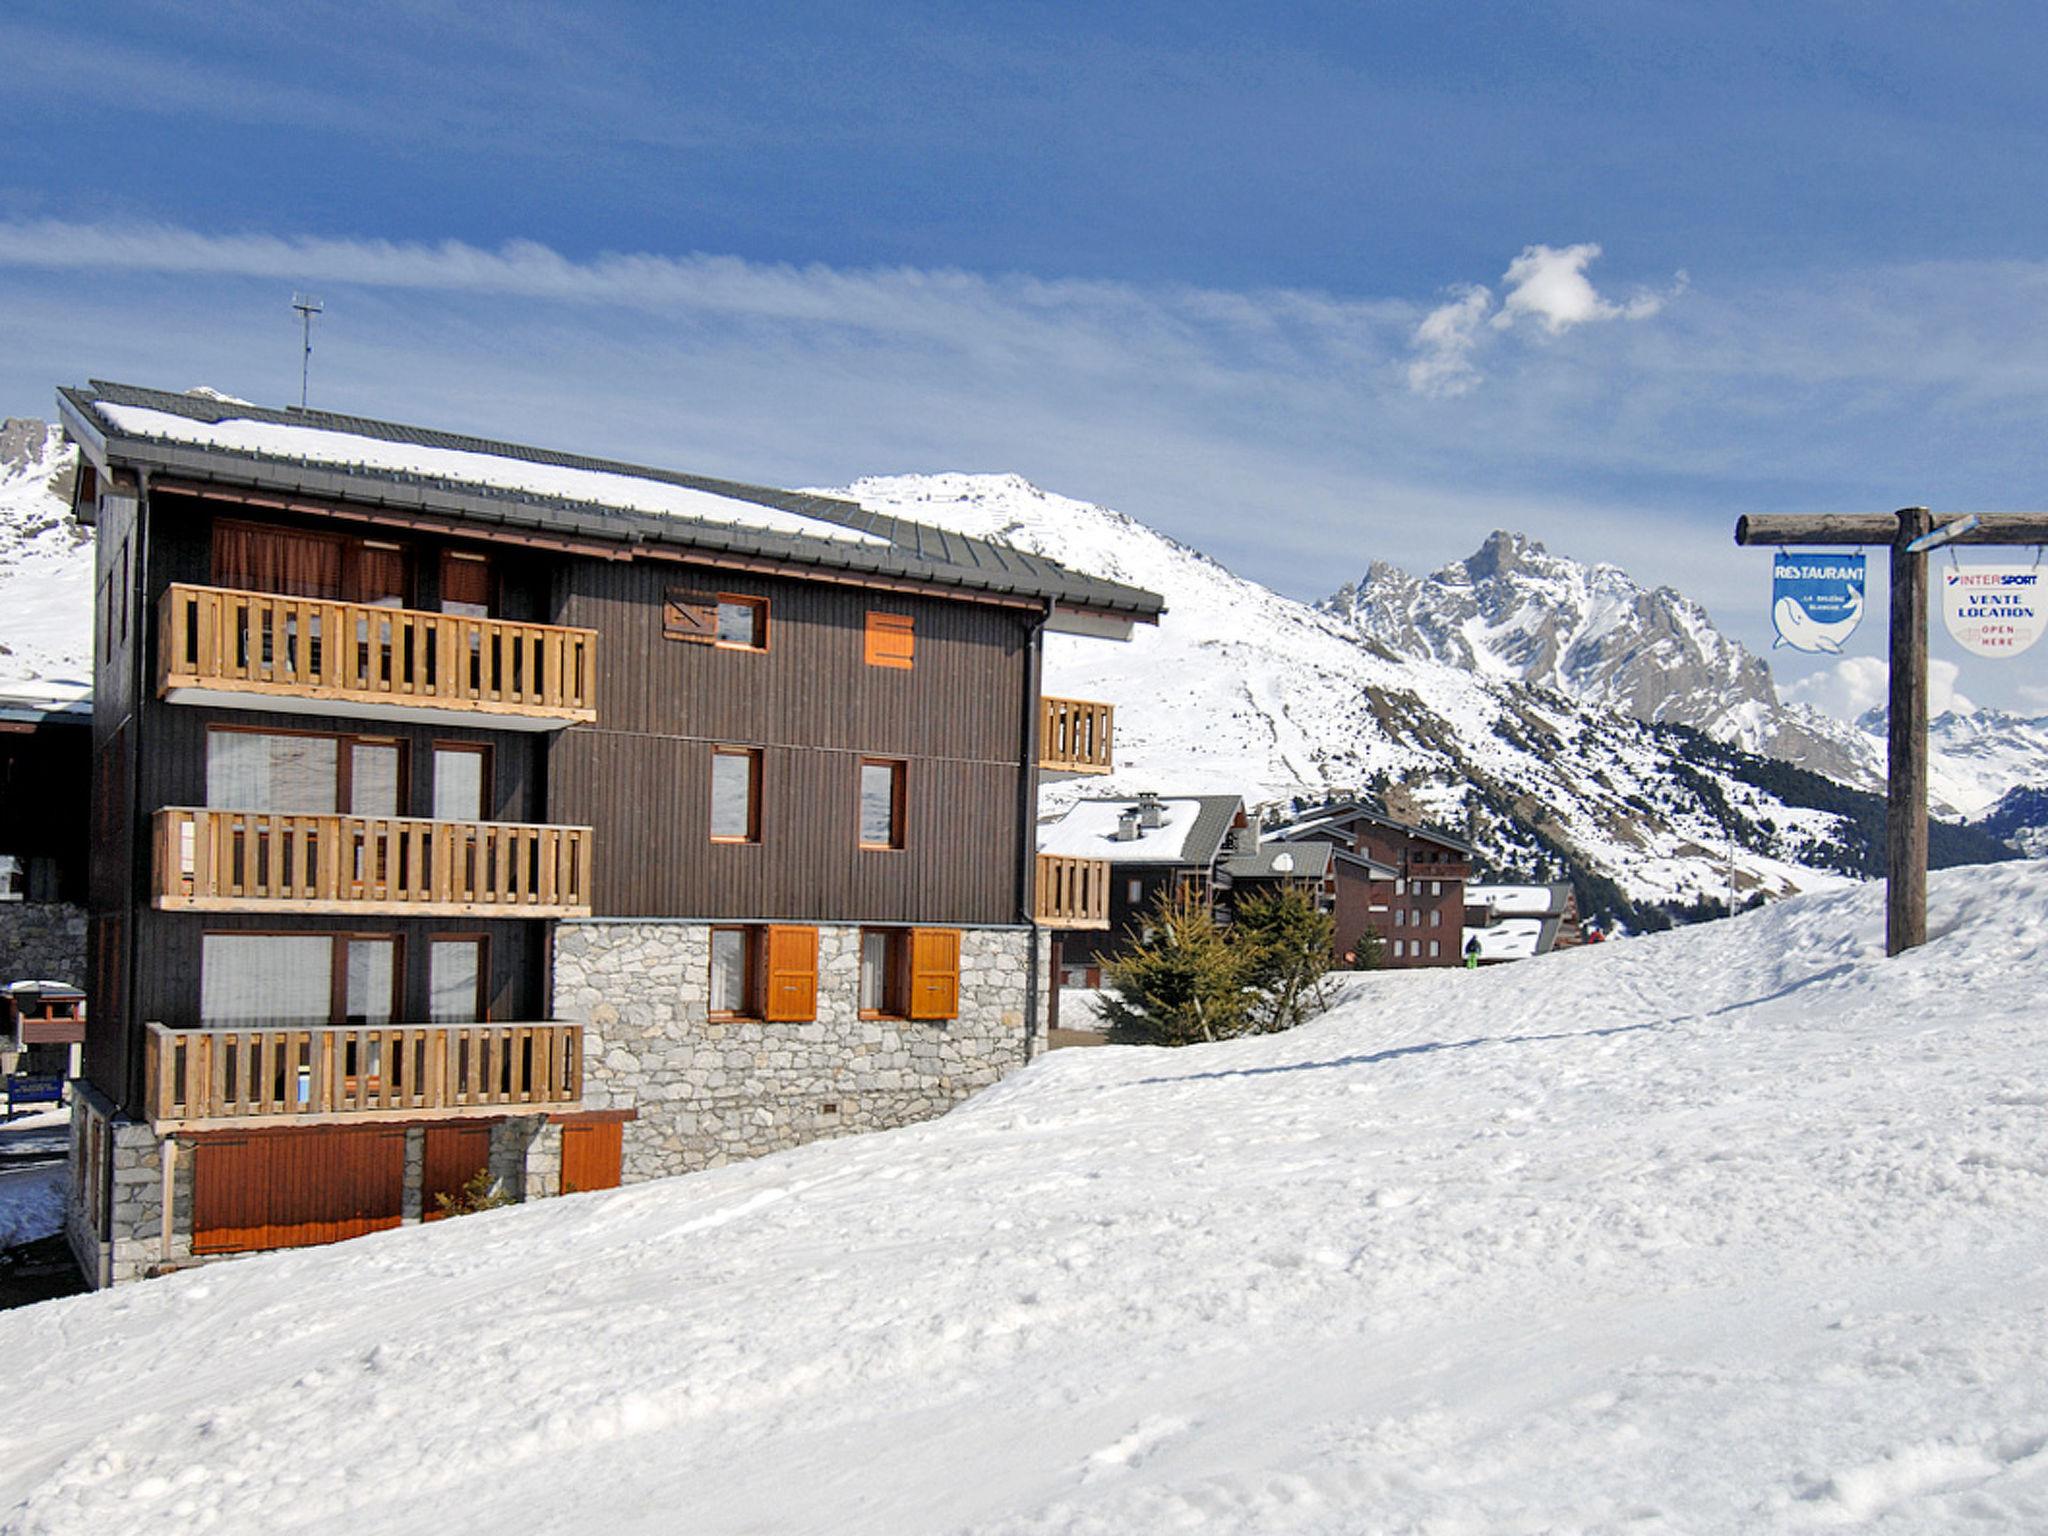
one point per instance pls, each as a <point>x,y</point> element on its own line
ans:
<point>42,941</point>
<point>710,1091</point>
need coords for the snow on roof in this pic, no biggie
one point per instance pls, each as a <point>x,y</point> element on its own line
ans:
<point>321,445</point>
<point>1088,831</point>
<point>1517,900</point>
<point>1512,938</point>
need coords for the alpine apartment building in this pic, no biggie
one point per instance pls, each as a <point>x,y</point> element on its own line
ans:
<point>460,806</point>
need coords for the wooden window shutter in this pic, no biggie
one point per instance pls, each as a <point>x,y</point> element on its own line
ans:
<point>690,616</point>
<point>892,639</point>
<point>791,996</point>
<point>934,973</point>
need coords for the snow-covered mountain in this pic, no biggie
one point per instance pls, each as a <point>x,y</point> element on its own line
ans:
<point>45,565</point>
<point>1736,1229</point>
<point>1241,689</point>
<point>1976,757</point>
<point>1595,634</point>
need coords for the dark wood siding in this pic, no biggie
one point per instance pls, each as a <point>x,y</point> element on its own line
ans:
<point>293,1189</point>
<point>813,707</point>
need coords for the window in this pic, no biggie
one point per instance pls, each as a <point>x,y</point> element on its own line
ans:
<point>462,782</point>
<point>303,773</point>
<point>1134,892</point>
<point>1400,917</point>
<point>741,623</point>
<point>884,972</point>
<point>735,795</point>
<point>881,803</point>
<point>466,584</point>
<point>1400,887</point>
<point>892,640</point>
<point>734,955</point>
<point>1400,948</point>
<point>13,878</point>
<point>1434,951</point>
<point>455,981</point>
<point>1415,917</point>
<point>1436,918</point>
<point>304,979</point>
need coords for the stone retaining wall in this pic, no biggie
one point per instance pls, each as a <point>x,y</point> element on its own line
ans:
<point>710,1092</point>
<point>42,941</point>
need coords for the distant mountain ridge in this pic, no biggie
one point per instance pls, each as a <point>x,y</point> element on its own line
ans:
<point>45,564</point>
<point>1596,635</point>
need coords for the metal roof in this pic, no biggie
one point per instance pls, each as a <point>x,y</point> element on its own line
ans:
<point>1345,810</point>
<point>1306,861</point>
<point>912,551</point>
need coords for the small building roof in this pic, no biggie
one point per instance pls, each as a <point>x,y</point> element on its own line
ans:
<point>36,703</point>
<point>1192,830</point>
<point>1340,812</point>
<point>1372,867</point>
<point>510,485</point>
<point>1549,900</point>
<point>1281,861</point>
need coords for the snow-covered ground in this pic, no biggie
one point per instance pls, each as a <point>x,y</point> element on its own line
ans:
<point>1738,1228</point>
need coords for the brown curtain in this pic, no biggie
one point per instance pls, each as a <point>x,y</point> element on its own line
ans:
<point>251,558</point>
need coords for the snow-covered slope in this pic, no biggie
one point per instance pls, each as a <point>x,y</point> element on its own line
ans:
<point>1974,757</point>
<point>1595,634</point>
<point>45,565</point>
<point>1243,690</point>
<point>1734,1229</point>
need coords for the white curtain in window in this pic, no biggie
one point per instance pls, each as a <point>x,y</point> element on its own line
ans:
<point>371,963</point>
<point>458,786</point>
<point>263,978</point>
<point>452,967</point>
<point>728,971</point>
<point>874,971</point>
<point>249,771</point>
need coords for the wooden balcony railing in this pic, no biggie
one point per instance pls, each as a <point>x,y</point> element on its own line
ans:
<point>395,1072</point>
<point>341,654</point>
<point>255,861</point>
<point>1074,736</point>
<point>1072,893</point>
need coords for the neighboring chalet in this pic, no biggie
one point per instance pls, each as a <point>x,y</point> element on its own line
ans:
<point>1520,922</point>
<point>1403,883</point>
<point>1156,843</point>
<point>462,807</point>
<point>45,832</point>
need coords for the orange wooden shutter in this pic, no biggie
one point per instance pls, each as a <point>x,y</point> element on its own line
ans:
<point>690,616</point>
<point>892,639</point>
<point>591,1156</point>
<point>792,992</point>
<point>934,973</point>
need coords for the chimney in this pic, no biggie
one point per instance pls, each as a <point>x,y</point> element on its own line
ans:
<point>1149,809</point>
<point>1127,827</point>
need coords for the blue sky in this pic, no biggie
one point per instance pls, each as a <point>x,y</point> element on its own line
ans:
<point>1219,266</point>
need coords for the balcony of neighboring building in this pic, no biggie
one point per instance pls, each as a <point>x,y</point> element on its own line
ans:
<point>1075,736</point>
<point>244,649</point>
<point>226,860</point>
<point>1072,893</point>
<point>262,1075</point>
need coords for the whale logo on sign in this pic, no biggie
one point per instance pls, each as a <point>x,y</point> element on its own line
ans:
<point>1994,610</point>
<point>1816,600</point>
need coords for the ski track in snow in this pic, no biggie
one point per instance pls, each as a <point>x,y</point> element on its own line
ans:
<point>1731,1229</point>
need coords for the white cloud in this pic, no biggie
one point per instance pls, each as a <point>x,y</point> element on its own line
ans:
<point>1445,338</point>
<point>1543,285</point>
<point>1857,684</point>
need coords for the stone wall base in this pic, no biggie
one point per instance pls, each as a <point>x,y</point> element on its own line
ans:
<point>711,1091</point>
<point>42,941</point>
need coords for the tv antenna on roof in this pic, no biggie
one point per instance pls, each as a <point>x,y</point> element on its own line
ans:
<point>308,307</point>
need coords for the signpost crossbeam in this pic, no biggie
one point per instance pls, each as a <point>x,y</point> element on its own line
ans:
<point>1906,769</point>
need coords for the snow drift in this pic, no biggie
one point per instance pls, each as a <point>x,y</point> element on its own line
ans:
<point>1737,1228</point>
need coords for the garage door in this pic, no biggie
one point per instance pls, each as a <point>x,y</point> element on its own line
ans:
<point>294,1189</point>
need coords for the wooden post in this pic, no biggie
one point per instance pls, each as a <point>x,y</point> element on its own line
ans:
<point>1905,819</point>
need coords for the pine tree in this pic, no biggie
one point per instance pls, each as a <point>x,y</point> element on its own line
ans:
<point>1287,943</point>
<point>1180,981</point>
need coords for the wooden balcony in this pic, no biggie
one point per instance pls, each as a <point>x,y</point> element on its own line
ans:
<point>1075,736</point>
<point>1072,893</point>
<point>313,1074</point>
<point>267,861</point>
<point>308,656</point>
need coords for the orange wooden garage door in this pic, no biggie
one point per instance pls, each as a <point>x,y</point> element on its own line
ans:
<point>590,1156</point>
<point>455,1155</point>
<point>293,1189</point>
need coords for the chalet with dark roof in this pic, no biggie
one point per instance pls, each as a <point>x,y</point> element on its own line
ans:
<point>1402,883</point>
<point>467,808</point>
